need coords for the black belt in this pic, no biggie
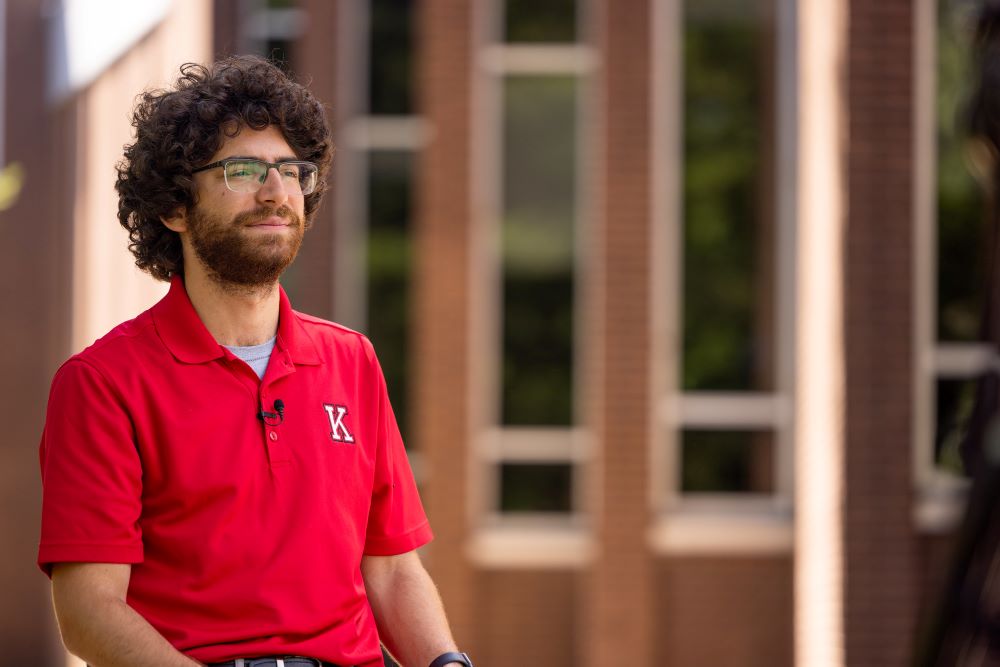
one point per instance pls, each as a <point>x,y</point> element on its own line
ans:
<point>274,661</point>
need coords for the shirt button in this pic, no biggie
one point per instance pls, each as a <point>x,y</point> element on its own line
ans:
<point>273,436</point>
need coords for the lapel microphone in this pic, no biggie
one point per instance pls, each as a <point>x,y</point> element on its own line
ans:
<point>273,418</point>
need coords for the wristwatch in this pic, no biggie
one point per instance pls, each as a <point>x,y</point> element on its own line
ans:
<point>451,656</point>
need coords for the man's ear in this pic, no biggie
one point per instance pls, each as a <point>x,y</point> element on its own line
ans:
<point>176,221</point>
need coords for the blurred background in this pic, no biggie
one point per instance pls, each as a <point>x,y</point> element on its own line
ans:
<point>678,301</point>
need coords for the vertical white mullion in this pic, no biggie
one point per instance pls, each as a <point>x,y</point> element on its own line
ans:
<point>786,134</point>
<point>819,363</point>
<point>582,244</point>
<point>485,317</point>
<point>925,238</point>
<point>669,236</point>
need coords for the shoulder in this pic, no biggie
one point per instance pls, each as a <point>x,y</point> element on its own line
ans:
<point>336,336</point>
<point>117,347</point>
<point>110,360</point>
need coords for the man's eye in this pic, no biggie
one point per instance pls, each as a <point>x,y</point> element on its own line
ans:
<point>243,170</point>
<point>290,171</point>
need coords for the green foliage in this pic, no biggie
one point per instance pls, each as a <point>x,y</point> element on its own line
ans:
<point>723,116</point>
<point>538,253</point>
<point>389,265</point>
<point>715,461</point>
<point>536,487</point>
<point>390,53</point>
<point>540,20</point>
<point>961,207</point>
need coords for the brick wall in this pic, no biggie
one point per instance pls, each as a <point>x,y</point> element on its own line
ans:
<point>441,298</point>
<point>316,59</point>
<point>733,611</point>
<point>526,617</point>
<point>881,578</point>
<point>618,607</point>
<point>35,268</point>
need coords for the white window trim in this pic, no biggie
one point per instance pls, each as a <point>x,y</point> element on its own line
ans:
<point>939,495</point>
<point>361,134</point>
<point>720,523</point>
<point>543,545</point>
<point>515,540</point>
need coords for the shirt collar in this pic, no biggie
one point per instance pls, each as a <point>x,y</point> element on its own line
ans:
<point>185,335</point>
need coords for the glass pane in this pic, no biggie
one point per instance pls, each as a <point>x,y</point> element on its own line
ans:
<point>540,20</point>
<point>728,196</point>
<point>727,461</point>
<point>390,178</point>
<point>539,172</point>
<point>955,399</point>
<point>961,220</point>
<point>536,487</point>
<point>390,77</point>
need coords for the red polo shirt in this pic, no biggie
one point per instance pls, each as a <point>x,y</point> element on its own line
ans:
<point>244,538</point>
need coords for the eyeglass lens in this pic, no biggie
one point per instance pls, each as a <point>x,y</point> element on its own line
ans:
<point>249,175</point>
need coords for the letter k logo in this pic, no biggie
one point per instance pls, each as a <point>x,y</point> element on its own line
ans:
<point>338,429</point>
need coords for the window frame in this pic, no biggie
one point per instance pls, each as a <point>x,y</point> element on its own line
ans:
<point>939,495</point>
<point>522,539</point>
<point>719,523</point>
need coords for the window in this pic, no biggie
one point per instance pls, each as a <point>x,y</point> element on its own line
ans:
<point>533,79</point>
<point>951,265</point>
<point>375,170</point>
<point>270,28</point>
<point>726,111</point>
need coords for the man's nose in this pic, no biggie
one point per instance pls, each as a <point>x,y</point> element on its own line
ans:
<point>273,188</point>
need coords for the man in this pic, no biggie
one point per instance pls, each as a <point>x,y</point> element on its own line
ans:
<point>223,477</point>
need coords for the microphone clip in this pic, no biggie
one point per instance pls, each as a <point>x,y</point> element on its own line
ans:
<point>273,418</point>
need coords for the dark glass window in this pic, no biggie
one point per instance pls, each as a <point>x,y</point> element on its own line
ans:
<point>540,21</point>
<point>539,172</point>
<point>955,399</point>
<point>728,200</point>
<point>960,214</point>
<point>727,461</point>
<point>390,76</point>
<point>536,487</point>
<point>390,184</point>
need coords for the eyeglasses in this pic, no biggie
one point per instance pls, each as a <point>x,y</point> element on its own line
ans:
<point>248,174</point>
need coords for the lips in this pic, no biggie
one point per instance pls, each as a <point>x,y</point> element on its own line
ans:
<point>273,221</point>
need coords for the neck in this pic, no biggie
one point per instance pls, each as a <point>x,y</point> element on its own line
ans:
<point>233,314</point>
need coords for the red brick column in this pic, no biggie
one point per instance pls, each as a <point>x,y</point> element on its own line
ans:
<point>441,297</point>
<point>318,62</point>
<point>880,545</point>
<point>618,623</point>
<point>35,288</point>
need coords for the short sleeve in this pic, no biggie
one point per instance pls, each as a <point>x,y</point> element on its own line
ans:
<point>396,521</point>
<point>91,473</point>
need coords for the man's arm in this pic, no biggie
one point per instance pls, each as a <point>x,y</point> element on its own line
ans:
<point>408,609</point>
<point>98,625</point>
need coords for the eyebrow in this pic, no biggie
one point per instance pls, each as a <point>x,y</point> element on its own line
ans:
<point>251,157</point>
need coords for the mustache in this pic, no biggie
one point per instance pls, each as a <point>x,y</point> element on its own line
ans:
<point>263,212</point>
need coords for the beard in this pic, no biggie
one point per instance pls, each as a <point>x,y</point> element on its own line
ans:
<point>238,260</point>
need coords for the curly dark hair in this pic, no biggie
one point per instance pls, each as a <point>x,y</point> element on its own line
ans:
<point>179,129</point>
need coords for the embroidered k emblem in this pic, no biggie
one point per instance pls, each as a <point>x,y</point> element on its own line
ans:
<point>338,429</point>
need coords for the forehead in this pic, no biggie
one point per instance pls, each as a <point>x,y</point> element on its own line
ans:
<point>267,144</point>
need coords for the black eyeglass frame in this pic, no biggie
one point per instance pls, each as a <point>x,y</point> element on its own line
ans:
<point>263,177</point>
